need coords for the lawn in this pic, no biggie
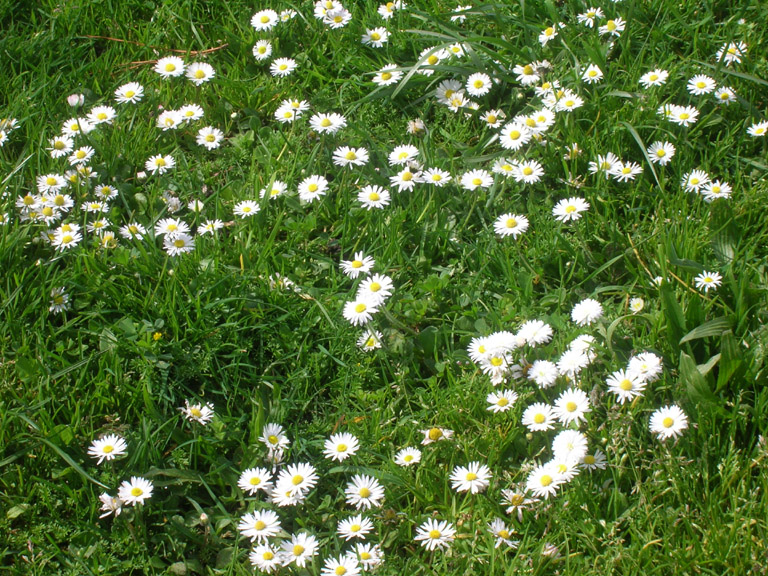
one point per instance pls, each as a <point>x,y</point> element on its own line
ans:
<point>418,287</point>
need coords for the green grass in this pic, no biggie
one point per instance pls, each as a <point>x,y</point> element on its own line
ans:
<point>146,331</point>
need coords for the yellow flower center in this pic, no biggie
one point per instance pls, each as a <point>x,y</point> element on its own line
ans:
<point>661,153</point>
<point>667,422</point>
<point>365,556</point>
<point>497,361</point>
<point>386,76</point>
<point>491,119</point>
<point>374,287</point>
<point>592,73</point>
<point>569,103</point>
<point>433,60</point>
<point>312,187</point>
<point>50,181</point>
<point>136,491</point>
<point>170,67</point>
<point>160,162</point>
<point>351,155</point>
<point>407,176</point>
<point>504,534</point>
<point>360,308</point>
<point>408,458</point>
<point>546,480</point>
<point>355,528</point>
<point>108,449</point>
<point>527,69</point>
<point>101,116</point>
<point>267,555</point>
<point>435,434</point>
<point>298,550</point>
<point>527,170</point>
<point>434,534</point>
<point>194,411</point>
<point>364,492</point>
<point>130,94</point>
<point>325,122</point>
<point>199,74</point>
<point>684,116</point>
<point>571,406</point>
<point>611,25</point>
<point>67,239</point>
<point>570,209</point>
<point>340,571</point>
<point>437,177</point>
<point>502,402</point>
<point>479,83</point>
<point>264,19</point>
<point>626,384</point>
<point>514,134</point>
<point>539,418</point>
<point>589,459</point>
<point>549,31</point>
<point>477,181</point>
<point>341,448</point>
<point>59,145</point>
<point>255,481</point>
<point>471,476</point>
<point>375,36</point>
<point>272,439</point>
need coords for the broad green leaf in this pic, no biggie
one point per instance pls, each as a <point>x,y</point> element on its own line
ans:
<point>714,327</point>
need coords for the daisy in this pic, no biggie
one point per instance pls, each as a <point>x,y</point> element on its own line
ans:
<point>510,225</point>
<point>478,84</point>
<point>369,555</point>
<point>246,208</point>
<point>416,126</point>
<point>570,209</point>
<point>646,367</point>
<point>684,115</point>
<point>264,20</point>
<point>625,386</point>
<point>544,373</point>
<point>668,422</point>
<point>474,478</point>
<point>360,264</point>
<point>254,479</point>
<point>299,549</point>
<point>431,56</point>
<point>543,481</point>
<point>604,163</point>
<point>200,72</point>
<point>277,188</point>
<point>259,525</point>
<point>528,172</point>
<point>708,280</point>
<point>694,181</point>
<point>436,176</point>
<point>516,502</point>
<point>360,311</point>
<point>594,461</point>
<point>387,10</point>
<point>159,164</point>
<point>81,156</point>
<point>378,288</point>
<point>312,188</point>
<point>436,434</point>
<point>539,417</point>
<point>364,492</point>
<point>476,179</point>
<point>572,406</point>
<point>505,167</point>
<point>612,27</point>
<point>337,18</point>
<point>262,50</point>
<point>50,183</point>
<point>493,118</point>
<point>369,340</point>
<point>586,312</point>
<point>209,137</point>
<point>63,239</point>
<point>210,226</point>
<point>202,413</point>
<point>592,74</point>
<point>59,304</point>
<point>95,206</point>
<point>327,123</point>
<point>387,75</point>
<point>502,533</point>
<point>447,89</point>
<point>716,189</point>
<point>758,129</point>
<point>514,136</point>
<point>569,102</point>
<point>348,565</point>
<point>731,52</point>
<point>110,505</point>
<point>725,95</point>
<point>588,18</point>
<point>339,447</point>
<point>406,179</point>
<point>191,112</point>
<point>170,66</point>
<point>655,77</point>
<point>661,152</point>
<point>569,445</point>
<point>375,37</point>
<point>282,67</point>
<point>526,74</point>
<point>171,227</point>
<point>273,436</point>
<point>265,557</point>
<point>132,93</point>
<point>701,84</point>
<point>636,305</point>
<point>402,155</point>
<point>107,448</point>
<point>435,534</point>
<point>60,146</point>
<point>75,126</point>
<point>354,527</point>
<point>298,478</point>
<point>135,491</point>
<point>547,34</point>
<point>101,115</point>
<point>346,156</point>
<point>408,457</point>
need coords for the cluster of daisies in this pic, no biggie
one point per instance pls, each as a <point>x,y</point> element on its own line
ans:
<point>510,356</point>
